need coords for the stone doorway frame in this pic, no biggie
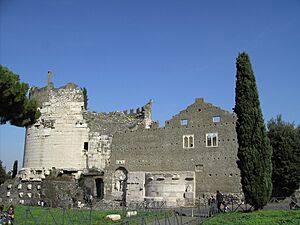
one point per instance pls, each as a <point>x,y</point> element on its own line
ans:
<point>99,188</point>
<point>120,172</point>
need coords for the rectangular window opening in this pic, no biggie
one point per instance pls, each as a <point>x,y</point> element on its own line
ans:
<point>199,168</point>
<point>86,146</point>
<point>188,141</point>
<point>212,140</point>
<point>184,122</point>
<point>216,119</point>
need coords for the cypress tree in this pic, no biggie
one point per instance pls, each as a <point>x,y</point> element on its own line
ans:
<point>254,152</point>
<point>15,169</point>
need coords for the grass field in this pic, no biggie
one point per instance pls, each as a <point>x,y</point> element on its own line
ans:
<point>265,217</point>
<point>39,215</point>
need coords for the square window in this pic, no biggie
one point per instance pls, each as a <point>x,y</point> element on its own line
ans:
<point>184,122</point>
<point>199,168</point>
<point>216,119</point>
<point>212,140</point>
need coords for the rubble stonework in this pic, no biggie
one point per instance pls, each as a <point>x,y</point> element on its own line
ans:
<point>126,156</point>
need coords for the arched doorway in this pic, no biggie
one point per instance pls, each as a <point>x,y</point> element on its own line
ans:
<point>120,183</point>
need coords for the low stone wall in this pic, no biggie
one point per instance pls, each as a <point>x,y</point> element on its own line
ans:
<point>14,191</point>
<point>50,192</point>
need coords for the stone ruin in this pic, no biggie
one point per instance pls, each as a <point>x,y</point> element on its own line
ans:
<point>125,156</point>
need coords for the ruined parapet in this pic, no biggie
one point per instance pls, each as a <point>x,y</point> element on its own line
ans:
<point>39,94</point>
<point>143,114</point>
<point>109,123</point>
<point>50,84</point>
<point>69,92</point>
<point>102,127</point>
<point>147,114</point>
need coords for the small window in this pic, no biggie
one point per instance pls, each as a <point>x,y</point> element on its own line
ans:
<point>184,122</point>
<point>188,141</point>
<point>185,142</point>
<point>191,141</point>
<point>216,119</point>
<point>212,140</point>
<point>120,162</point>
<point>199,168</point>
<point>86,146</point>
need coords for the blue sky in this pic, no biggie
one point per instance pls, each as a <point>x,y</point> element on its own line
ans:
<point>127,52</point>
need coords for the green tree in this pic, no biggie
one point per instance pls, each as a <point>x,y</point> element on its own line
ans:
<point>15,169</point>
<point>15,107</point>
<point>254,152</point>
<point>85,97</point>
<point>3,175</point>
<point>285,141</point>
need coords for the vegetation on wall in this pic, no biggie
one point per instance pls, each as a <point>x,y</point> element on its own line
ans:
<point>15,106</point>
<point>285,140</point>
<point>85,97</point>
<point>254,152</point>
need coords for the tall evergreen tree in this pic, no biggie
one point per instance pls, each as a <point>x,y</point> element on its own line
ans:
<point>285,142</point>
<point>254,152</point>
<point>15,106</point>
<point>15,169</point>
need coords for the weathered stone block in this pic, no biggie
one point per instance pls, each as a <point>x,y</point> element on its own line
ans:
<point>113,217</point>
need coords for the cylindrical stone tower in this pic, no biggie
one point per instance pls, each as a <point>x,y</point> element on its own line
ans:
<point>60,136</point>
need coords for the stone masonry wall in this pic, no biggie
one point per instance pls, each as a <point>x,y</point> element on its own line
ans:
<point>54,193</point>
<point>68,137</point>
<point>162,148</point>
<point>103,126</point>
<point>194,154</point>
<point>57,138</point>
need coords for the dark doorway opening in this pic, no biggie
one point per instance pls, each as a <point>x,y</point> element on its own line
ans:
<point>99,188</point>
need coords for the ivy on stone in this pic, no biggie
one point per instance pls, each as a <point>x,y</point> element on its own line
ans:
<point>85,97</point>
